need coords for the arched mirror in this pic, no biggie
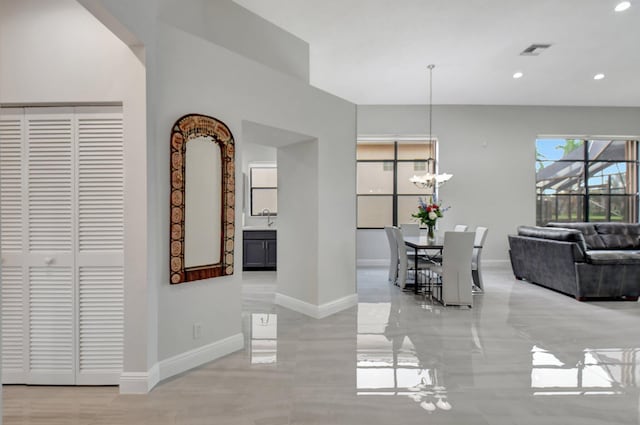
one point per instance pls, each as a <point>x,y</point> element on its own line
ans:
<point>202,199</point>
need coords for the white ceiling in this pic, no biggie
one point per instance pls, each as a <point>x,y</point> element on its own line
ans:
<point>377,51</point>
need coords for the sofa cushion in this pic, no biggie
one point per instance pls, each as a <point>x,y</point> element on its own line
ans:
<point>616,257</point>
<point>557,234</point>
<point>592,239</point>
<point>619,235</point>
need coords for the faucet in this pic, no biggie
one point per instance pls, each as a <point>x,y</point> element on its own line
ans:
<point>269,221</point>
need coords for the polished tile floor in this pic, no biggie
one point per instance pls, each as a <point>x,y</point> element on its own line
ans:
<point>522,355</point>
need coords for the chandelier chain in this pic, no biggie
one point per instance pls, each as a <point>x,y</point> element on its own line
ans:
<point>430,67</point>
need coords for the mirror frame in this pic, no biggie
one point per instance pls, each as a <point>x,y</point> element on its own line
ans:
<point>187,128</point>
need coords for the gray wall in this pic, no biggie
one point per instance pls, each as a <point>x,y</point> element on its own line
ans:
<point>193,68</point>
<point>490,150</point>
<point>298,215</point>
<point>196,75</point>
<point>231,26</point>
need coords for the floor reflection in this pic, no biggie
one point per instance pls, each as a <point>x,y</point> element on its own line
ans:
<point>605,371</point>
<point>264,338</point>
<point>393,360</point>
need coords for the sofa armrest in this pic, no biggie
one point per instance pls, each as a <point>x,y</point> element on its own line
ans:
<point>548,262</point>
<point>556,234</point>
<point>614,257</point>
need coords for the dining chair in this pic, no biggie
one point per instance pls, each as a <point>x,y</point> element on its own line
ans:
<point>410,229</point>
<point>454,274</point>
<point>393,253</point>
<point>457,228</point>
<point>406,261</point>
<point>481,236</point>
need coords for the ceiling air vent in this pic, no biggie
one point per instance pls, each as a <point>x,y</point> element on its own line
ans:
<point>534,49</point>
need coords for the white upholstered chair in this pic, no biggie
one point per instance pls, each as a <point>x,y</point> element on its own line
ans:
<point>410,229</point>
<point>454,274</point>
<point>393,253</point>
<point>481,236</point>
<point>456,228</point>
<point>405,260</point>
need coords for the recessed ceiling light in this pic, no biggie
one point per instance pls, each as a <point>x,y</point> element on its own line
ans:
<point>518,75</point>
<point>598,76</point>
<point>622,6</point>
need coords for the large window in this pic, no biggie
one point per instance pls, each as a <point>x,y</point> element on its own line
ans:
<point>586,180</point>
<point>385,195</point>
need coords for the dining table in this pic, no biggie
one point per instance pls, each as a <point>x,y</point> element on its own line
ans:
<point>432,249</point>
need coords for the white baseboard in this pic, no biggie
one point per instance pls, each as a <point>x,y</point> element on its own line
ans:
<point>199,356</point>
<point>316,311</point>
<point>335,306</point>
<point>369,262</point>
<point>139,382</point>
<point>143,382</point>
<point>496,263</point>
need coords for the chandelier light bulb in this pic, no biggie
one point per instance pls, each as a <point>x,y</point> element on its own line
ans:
<point>622,6</point>
<point>598,76</point>
<point>518,75</point>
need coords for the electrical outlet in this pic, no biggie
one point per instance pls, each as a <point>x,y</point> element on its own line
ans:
<point>197,330</point>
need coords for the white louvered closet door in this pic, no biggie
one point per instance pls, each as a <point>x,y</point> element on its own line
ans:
<point>64,278</point>
<point>14,325</point>
<point>50,246</point>
<point>100,251</point>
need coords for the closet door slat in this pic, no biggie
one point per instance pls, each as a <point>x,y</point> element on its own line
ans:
<point>50,185</point>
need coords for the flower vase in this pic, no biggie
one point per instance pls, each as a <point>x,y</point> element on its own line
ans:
<point>431,236</point>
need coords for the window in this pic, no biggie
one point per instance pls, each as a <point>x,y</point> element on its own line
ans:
<point>264,190</point>
<point>385,195</point>
<point>586,180</point>
<point>264,338</point>
<point>600,371</point>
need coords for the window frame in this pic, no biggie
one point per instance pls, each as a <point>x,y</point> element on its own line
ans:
<point>252,187</point>
<point>583,180</point>
<point>430,166</point>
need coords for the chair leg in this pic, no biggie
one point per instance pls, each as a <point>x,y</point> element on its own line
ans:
<point>477,281</point>
<point>393,272</point>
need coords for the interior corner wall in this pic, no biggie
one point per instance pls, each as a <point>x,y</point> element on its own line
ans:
<point>490,150</point>
<point>198,76</point>
<point>229,25</point>
<point>298,211</point>
<point>337,224</point>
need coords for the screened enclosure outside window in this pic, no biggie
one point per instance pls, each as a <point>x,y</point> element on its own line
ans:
<point>264,190</point>
<point>586,180</point>
<point>384,194</point>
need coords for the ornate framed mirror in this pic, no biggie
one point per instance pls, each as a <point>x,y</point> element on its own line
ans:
<point>202,199</point>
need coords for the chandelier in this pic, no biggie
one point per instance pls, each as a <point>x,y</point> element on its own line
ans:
<point>430,180</point>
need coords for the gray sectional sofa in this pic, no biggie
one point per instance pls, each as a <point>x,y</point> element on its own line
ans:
<point>585,260</point>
